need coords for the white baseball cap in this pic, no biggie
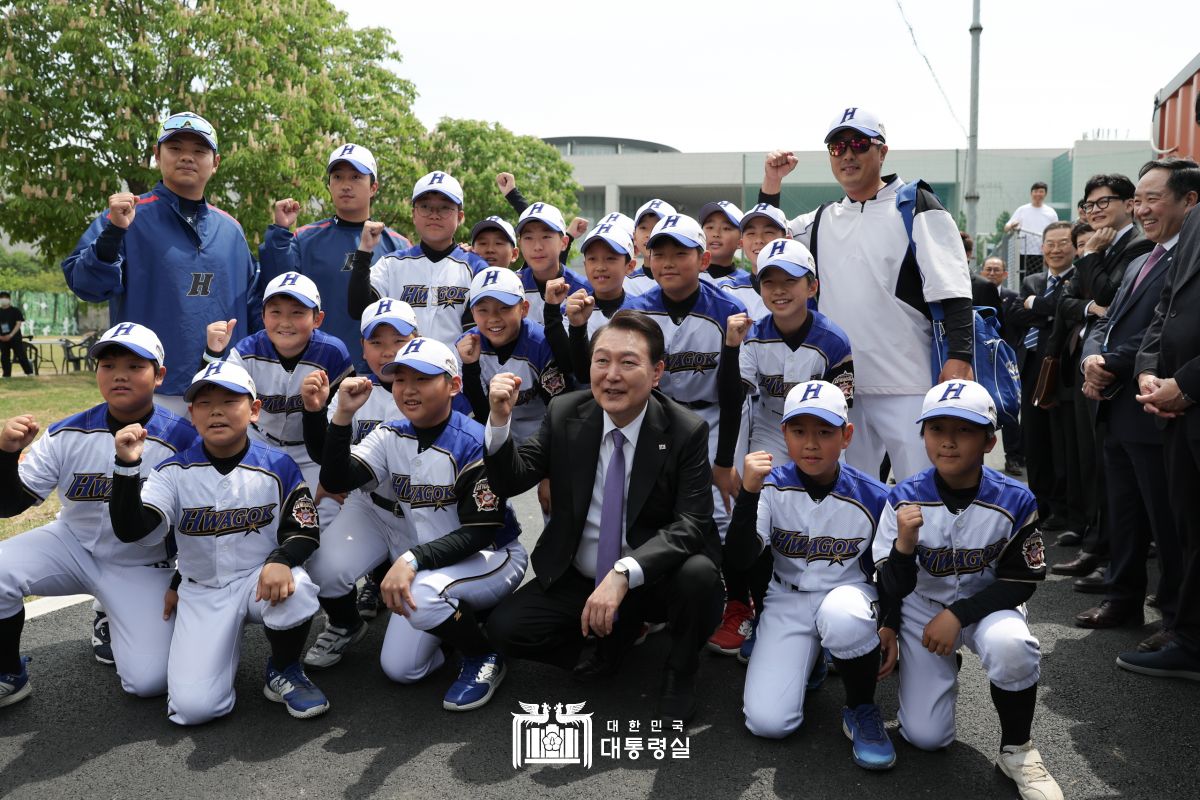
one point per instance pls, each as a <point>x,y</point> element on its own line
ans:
<point>441,183</point>
<point>188,122</point>
<point>425,355</point>
<point>788,255</point>
<point>681,228</point>
<point>137,339</point>
<point>612,234</point>
<point>356,156</point>
<point>295,285</point>
<point>388,311</point>
<point>731,212</point>
<point>497,223</point>
<point>617,218</point>
<point>659,208</point>
<point>819,399</point>
<point>498,282</point>
<point>959,398</point>
<point>859,119</point>
<point>225,374</point>
<point>544,213</point>
<point>767,211</point>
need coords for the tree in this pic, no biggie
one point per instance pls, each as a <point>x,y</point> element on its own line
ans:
<point>84,87</point>
<point>474,152</point>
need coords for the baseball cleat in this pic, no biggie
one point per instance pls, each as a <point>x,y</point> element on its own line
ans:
<point>734,628</point>
<point>1023,763</point>
<point>476,682</point>
<point>370,601</point>
<point>101,640</point>
<point>331,645</point>
<point>747,648</point>
<point>293,688</point>
<point>871,746</point>
<point>15,687</point>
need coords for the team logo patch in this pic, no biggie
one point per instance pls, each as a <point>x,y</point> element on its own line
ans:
<point>1034,551</point>
<point>553,381</point>
<point>844,381</point>
<point>485,498</point>
<point>304,511</point>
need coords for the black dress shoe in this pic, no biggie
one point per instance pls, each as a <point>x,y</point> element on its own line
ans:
<point>1152,600</point>
<point>1053,523</point>
<point>678,698</point>
<point>1013,467</point>
<point>1152,551</point>
<point>1156,641</point>
<point>1109,615</point>
<point>1082,564</point>
<point>1095,583</point>
<point>1068,539</point>
<point>599,666</point>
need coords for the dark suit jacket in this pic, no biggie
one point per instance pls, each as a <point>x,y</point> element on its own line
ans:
<point>669,509</point>
<point>1171,346</point>
<point>1010,326</point>
<point>1117,337</point>
<point>1040,316</point>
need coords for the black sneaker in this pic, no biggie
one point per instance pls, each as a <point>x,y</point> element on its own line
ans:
<point>101,641</point>
<point>370,601</point>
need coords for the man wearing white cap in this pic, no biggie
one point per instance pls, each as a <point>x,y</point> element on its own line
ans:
<point>434,276</point>
<point>322,249</point>
<point>878,284</point>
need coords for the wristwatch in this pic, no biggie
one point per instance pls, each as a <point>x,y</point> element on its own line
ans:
<point>621,569</point>
<point>411,560</point>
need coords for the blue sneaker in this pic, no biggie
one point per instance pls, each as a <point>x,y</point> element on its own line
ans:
<point>872,747</point>
<point>476,683</point>
<point>820,671</point>
<point>292,687</point>
<point>747,647</point>
<point>15,686</point>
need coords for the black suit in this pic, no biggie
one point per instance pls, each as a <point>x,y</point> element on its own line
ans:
<point>1132,450</point>
<point>1171,349</point>
<point>669,528</point>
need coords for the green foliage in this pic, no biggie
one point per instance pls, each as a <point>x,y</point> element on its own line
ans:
<point>474,152</point>
<point>22,272</point>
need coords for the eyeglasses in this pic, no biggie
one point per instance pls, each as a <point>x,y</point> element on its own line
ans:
<point>859,144</point>
<point>429,210</point>
<point>1058,244</point>
<point>188,122</point>
<point>1100,203</point>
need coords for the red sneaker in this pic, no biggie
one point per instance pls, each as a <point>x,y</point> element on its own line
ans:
<point>734,629</point>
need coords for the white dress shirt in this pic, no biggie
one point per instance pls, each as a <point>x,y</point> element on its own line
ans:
<point>589,540</point>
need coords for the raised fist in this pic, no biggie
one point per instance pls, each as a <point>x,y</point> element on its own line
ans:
<point>579,307</point>
<point>506,182</point>
<point>372,233</point>
<point>129,442</point>
<point>908,527</point>
<point>286,212</point>
<point>468,348</point>
<point>779,164</point>
<point>502,396</point>
<point>352,395</point>
<point>577,228</point>
<point>755,469</point>
<point>556,291</point>
<point>122,207</point>
<point>736,328</point>
<point>315,390</point>
<point>18,433</point>
<point>219,335</point>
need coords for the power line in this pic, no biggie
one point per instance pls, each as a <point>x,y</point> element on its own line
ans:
<point>921,53</point>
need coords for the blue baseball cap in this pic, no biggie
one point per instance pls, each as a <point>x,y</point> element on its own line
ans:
<point>498,282</point>
<point>962,399</point>
<point>788,255</point>
<point>137,339</point>
<point>858,119</point>
<point>425,355</point>
<point>681,228</point>
<point>731,212</point>
<point>495,223</point>
<point>224,374</point>
<point>298,287</point>
<point>356,156</point>
<point>388,311</point>
<point>819,399</point>
<point>766,211</point>
<point>612,234</point>
<point>441,183</point>
<point>659,208</point>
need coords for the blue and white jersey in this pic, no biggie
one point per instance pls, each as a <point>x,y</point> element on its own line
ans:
<point>694,344</point>
<point>639,282</point>
<point>537,303</point>
<point>379,408</point>
<point>226,525</point>
<point>770,368</point>
<point>439,490</point>
<point>533,362</point>
<point>281,423</point>
<point>819,545</point>
<point>598,320</point>
<point>437,290</point>
<point>960,554</point>
<point>740,284</point>
<point>75,457</point>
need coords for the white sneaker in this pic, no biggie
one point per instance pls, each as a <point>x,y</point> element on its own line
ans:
<point>1024,765</point>
<point>331,645</point>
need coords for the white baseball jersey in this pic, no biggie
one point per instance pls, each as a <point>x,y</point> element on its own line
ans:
<point>379,408</point>
<point>770,368</point>
<point>281,422</point>
<point>227,525</point>
<point>75,456</point>
<point>437,290</point>
<point>537,304</point>
<point>823,544</point>
<point>741,284</point>
<point>639,281</point>
<point>531,361</point>
<point>439,490</point>
<point>960,554</point>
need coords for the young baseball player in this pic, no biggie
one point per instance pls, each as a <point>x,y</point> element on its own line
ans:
<point>640,279</point>
<point>78,552</point>
<point>817,517</point>
<point>607,253</point>
<point>542,237</point>
<point>721,222</point>
<point>505,340</point>
<point>279,358</point>
<point>958,553</point>
<point>320,249</point>
<point>495,241</point>
<point>244,521</point>
<point>433,277</point>
<point>760,225</point>
<point>508,187</point>
<point>454,551</point>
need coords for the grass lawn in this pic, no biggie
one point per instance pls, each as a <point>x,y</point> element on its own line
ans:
<point>48,398</point>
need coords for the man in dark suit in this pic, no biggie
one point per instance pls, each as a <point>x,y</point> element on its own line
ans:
<point>995,272</point>
<point>1132,447</point>
<point>624,544</point>
<point>1168,367</point>
<point>1108,202</point>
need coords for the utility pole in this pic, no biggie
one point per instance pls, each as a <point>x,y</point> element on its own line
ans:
<point>971,196</point>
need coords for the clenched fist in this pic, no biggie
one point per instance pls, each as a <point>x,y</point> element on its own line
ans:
<point>579,307</point>
<point>219,334</point>
<point>908,527</point>
<point>779,164</point>
<point>468,347</point>
<point>19,432</point>
<point>502,396</point>
<point>755,469</point>
<point>577,228</point>
<point>129,442</point>
<point>314,392</point>
<point>556,291</point>
<point>736,328</point>
<point>352,395</point>
<point>506,182</point>
<point>372,233</point>
<point>122,207</point>
<point>286,212</point>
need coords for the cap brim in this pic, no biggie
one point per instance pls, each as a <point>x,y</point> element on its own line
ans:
<point>198,385</point>
<point>508,298</point>
<point>958,413</point>
<point>307,301</point>
<point>795,270</point>
<point>678,237</point>
<point>638,219</point>
<point>616,247</point>
<point>418,365</point>
<point>485,225</point>
<point>820,413</point>
<point>749,215</point>
<point>715,208</point>
<point>209,140</point>
<point>358,165</point>
<point>95,350</point>
<point>403,327</point>
<point>863,129</point>
<point>552,226</point>
<point>453,198</point>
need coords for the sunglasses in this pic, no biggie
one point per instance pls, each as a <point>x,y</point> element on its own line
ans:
<point>859,144</point>
<point>188,122</point>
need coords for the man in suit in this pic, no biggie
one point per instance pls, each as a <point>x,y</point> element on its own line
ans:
<point>1132,448</point>
<point>624,544</point>
<point>1168,368</point>
<point>995,272</point>
<point>1108,202</point>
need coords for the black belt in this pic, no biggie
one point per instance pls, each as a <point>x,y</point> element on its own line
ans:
<point>390,506</point>
<point>275,440</point>
<point>785,584</point>
<point>695,404</point>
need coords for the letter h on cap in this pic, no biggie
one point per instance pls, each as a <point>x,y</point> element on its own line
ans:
<point>124,329</point>
<point>811,392</point>
<point>413,347</point>
<point>671,221</point>
<point>492,276</point>
<point>213,368</point>
<point>953,392</point>
<point>436,177</point>
<point>384,307</point>
<point>777,248</point>
<point>347,150</point>
<point>290,279</point>
<point>849,113</point>
<point>536,209</point>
